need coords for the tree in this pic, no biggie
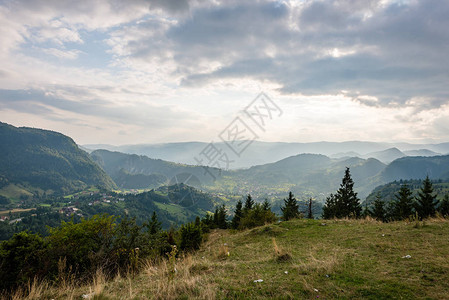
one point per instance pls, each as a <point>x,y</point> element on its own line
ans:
<point>22,258</point>
<point>329,208</point>
<point>266,206</point>
<point>348,204</point>
<point>238,214</point>
<point>403,206</point>
<point>191,237</point>
<point>290,209</point>
<point>426,200</point>
<point>220,217</point>
<point>366,211</point>
<point>249,203</point>
<point>379,210</point>
<point>309,210</point>
<point>444,206</point>
<point>257,216</point>
<point>154,226</point>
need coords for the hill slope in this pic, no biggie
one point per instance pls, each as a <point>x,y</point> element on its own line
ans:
<point>45,160</point>
<point>386,156</point>
<point>344,260</point>
<point>307,175</point>
<point>118,165</point>
<point>436,167</point>
<point>265,152</point>
<point>389,190</point>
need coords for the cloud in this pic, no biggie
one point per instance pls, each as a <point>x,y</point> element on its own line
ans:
<point>392,51</point>
<point>155,62</point>
<point>46,103</point>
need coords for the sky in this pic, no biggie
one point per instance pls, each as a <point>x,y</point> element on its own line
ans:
<point>155,71</point>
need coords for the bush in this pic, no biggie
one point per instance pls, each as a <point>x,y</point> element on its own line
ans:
<point>191,237</point>
<point>22,257</point>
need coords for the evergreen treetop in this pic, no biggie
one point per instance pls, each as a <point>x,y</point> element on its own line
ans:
<point>403,206</point>
<point>249,203</point>
<point>290,209</point>
<point>426,200</point>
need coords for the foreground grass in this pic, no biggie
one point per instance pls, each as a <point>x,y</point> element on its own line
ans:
<point>305,259</point>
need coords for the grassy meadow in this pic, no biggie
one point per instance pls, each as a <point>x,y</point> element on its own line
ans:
<point>299,259</point>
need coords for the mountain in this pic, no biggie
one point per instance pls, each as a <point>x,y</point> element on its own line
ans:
<point>307,175</point>
<point>388,191</point>
<point>138,171</point>
<point>259,153</point>
<point>421,152</point>
<point>436,167</point>
<point>386,156</point>
<point>345,154</point>
<point>125,180</point>
<point>36,160</point>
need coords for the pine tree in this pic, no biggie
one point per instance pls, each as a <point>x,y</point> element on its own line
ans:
<point>348,204</point>
<point>309,210</point>
<point>426,200</point>
<point>290,209</point>
<point>249,203</point>
<point>191,237</point>
<point>266,206</point>
<point>403,206</point>
<point>154,226</point>
<point>379,209</point>
<point>444,206</point>
<point>238,214</point>
<point>221,222</point>
<point>366,211</point>
<point>329,208</point>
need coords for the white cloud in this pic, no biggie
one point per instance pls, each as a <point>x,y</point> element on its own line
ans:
<point>170,65</point>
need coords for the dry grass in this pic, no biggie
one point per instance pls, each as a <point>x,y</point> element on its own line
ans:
<point>34,290</point>
<point>348,259</point>
<point>281,255</point>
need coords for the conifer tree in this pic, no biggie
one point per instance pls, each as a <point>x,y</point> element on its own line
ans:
<point>238,214</point>
<point>426,200</point>
<point>221,220</point>
<point>379,209</point>
<point>154,226</point>
<point>348,204</point>
<point>444,206</point>
<point>329,208</point>
<point>309,210</point>
<point>290,208</point>
<point>266,206</point>
<point>403,206</point>
<point>249,203</point>
<point>366,211</point>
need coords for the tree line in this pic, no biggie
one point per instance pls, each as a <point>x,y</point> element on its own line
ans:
<point>345,203</point>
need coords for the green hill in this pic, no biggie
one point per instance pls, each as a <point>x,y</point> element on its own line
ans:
<point>121,165</point>
<point>418,167</point>
<point>388,191</point>
<point>307,175</point>
<point>38,161</point>
<point>299,259</point>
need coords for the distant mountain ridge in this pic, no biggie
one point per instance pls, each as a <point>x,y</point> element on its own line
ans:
<point>259,152</point>
<point>48,161</point>
<point>386,156</point>
<point>127,169</point>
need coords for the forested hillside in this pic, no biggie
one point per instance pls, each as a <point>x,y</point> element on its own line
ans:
<point>41,161</point>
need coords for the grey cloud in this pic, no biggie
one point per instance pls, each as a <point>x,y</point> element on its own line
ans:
<point>173,6</point>
<point>40,103</point>
<point>400,50</point>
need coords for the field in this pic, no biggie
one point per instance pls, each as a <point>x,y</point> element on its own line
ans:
<point>13,211</point>
<point>300,259</point>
